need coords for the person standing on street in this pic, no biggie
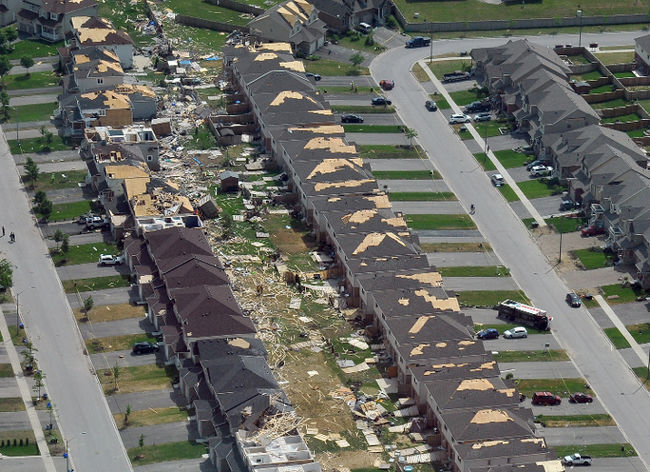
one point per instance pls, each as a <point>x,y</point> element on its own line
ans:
<point>3,231</point>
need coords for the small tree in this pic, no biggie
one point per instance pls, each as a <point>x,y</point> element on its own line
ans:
<point>4,100</point>
<point>65,244</point>
<point>58,237</point>
<point>28,354</point>
<point>116,376</point>
<point>39,383</point>
<point>6,274</point>
<point>141,441</point>
<point>227,224</point>
<point>45,208</point>
<point>40,197</point>
<point>5,66</point>
<point>32,171</point>
<point>356,59</point>
<point>11,34</point>
<point>127,412</point>
<point>88,304</point>
<point>27,62</point>
<point>411,134</point>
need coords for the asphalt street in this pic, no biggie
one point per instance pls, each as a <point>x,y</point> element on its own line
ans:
<point>597,361</point>
<point>80,403</point>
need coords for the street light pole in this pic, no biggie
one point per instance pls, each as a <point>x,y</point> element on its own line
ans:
<point>430,44</point>
<point>579,13</point>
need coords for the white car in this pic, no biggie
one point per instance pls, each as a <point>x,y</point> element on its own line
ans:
<point>541,171</point>
<point>459,118</point>
<point>109,259</point>
<point>497,180</point>
<point>518,332</point>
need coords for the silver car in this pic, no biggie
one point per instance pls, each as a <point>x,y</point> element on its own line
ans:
<point>518,332</point>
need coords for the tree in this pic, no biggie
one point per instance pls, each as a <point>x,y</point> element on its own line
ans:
<point>39,197</point>
<point>28,354</point>
<point>39,383</point>
<point>126,414</point>
<point>88,304</point>
<point>4,100</point>
<point>11,34</point>
<point>116,376</point>
<point>45,208</point>
<point>356,59</point>
<point>6,274</point>
<point>411,134</point>
<point>65,244</point>
<point>58,237</point>
<point>5,66</point>
<point>141,441</point>
<point>27,62</point>
<point>32,171</point>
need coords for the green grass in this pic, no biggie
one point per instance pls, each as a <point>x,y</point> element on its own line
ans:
<point>6,370</point>
<point>96,283</point>
<point>329,67</point>
<point>139,378</point>
<point>208,11</point>
<point>68,211</point>
<point>489,298</point>
<point>440,68</point>
<point>361,109</point>
<point>83,253</point>
<point>617,102</point>
<point>441,101</point>
<point>602,89</point>
<point>640,332</point>
<point>579,59</point>
<point>597,450</point>
<point>34,80</point>
<point>358,44</point>
<point>373,128</point>
<point>575,421</point>
<point>642,373</point>
<point>510,158</point>
<point>474,271</point>
<point>485,162</point>
<point>200,40</point>
<point>55,180</point>
<point>34,48</point>
<point>347,90</point>
<point>593,258</point>
<point>405,174</point>
<point>11,404</point>
<point>591,75</point>
<point>25,450</point>
<point>475,10</point>
<point>609,58</point>
<point>201,139</point>
<point>564,224</point>
<point>464,97</point>
<point>37,145</point>
<point>624,74</point>
<point>508,193</point>
<point>645,104</point>
<point>455,247</point>
<point>561,387</point>
<point>483,128</point>
<point>38,112</point>
<point>622,118</point>
<point>528,222</point>
<point>387,151</point>
<point>117,343</point>
<point>439,222</point>
<point>636,133</point>
<point>421,196</point>
<point>539,188</point>
<point>166,452</point>
<point>532,356</point>
<point>623,294</point>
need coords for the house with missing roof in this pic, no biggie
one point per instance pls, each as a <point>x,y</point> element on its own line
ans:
<point>295,22</point>
<point>92,69</point>
<point>90,109</point>
<point>50,19</point>
<point>94,31</point>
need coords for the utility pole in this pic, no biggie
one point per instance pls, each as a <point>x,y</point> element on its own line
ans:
<point>430,44</point>
<point>559,259</point>
<point>579,13</point>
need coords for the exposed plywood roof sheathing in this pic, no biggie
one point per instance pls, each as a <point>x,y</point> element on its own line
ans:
<point>286,94</point>
<point>490,416</point>
<point>442,304</point>
<point>375,239</point>
<point>430,278</point>
<point>419,324</point>
<point>350,183</point>
<point>419,349</point>
<point>334,145</point>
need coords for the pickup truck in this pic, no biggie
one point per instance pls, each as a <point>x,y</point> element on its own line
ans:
<point>576,459</point>
<point>418,42</point>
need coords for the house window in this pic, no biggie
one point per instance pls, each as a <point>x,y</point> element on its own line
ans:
<point>100,81</point>
<point>102,112</point>
<point>150,157</point>
<point>54,16</point>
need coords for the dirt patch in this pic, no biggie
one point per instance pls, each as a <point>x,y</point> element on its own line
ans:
<point>111,312</point>
<point>349,459</point>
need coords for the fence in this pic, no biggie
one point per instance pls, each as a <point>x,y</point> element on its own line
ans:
<point>603,97</point>
<point>208,24</point>
<point>233,5</point>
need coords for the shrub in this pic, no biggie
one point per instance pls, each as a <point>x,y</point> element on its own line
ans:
<point>391,22</point>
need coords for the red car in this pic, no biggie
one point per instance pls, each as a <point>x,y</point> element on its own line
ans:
<point>592,231</point>
<point>580,397</point>
<point>545,398</point>
<point>387,84</point>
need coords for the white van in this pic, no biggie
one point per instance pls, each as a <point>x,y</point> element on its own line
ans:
<point>365,28</point>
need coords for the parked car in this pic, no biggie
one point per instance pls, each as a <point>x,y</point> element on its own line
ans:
<point>545,398</point>
<point>576,459</point>
<point>109,259</point>
<point>82,218</point>
<point>484,116</point>
<point>497,180</point>
<point>478,106</point>
<point>431,105</point>
<point>456,76</point>
<point>518,332</point>
<point>191,81</point>
<point>316,77</point>
<point>541,171</point>
<point>536,162</point>
<point>95,222</point>
<point>592,231</point>
<point>351,118</point>
<point>567,204</point>
<point>144,348</point>
<point>573,300</point>
<point>459,118</point>
<point>490,333</point>
<point>387,84</point>
<point>580,397</point>
<point>380,101</point>
<point>418,42</point>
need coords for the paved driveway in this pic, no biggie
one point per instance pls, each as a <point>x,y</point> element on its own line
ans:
<point>378,138</point>
<point>188,465</point>
<point>49,157</point>
<point>566,408</point>
<point>67,227</point>
<point>533,342</point>
<point>85,238</point>
<point>90,270</point>
<point>478,283</point>
<point>618,464</point>
<point>115,328</point>
<point>429,208</point>
<point>159,434</point>
<point>30,464</point>
<point>400,164</point>
<point>377,119</point>
<point>585,435</point>
<point>452,259</point>
<point>106,360</point>
<point>413,185</point>
<point>111,296</point>
<point>498,143</point>
<point>33,99</point>
<point>143,400</point>
<point>540,370</point>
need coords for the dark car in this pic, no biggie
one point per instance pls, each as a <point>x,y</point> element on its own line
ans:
<point>546,398</point>
<point>580,397</point>
<point>351,119</point>
<point>144,348</point>
<point>490,333</point>
<point>316,77</point>
<point>573,300</point>
<point>592,231</point>
<point>387,84</point>
<point>431,105</point>
<point>191,81</point>
<point>381,101</point>
<point>478,106</point>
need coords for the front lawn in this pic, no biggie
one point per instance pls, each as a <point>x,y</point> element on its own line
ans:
<point>373,128</point>
<point>68,211</point>
<point>34,80</point>
<point>575,421</point>
<point>489,298</point>
<point>96,283</point>
<point>561,387</point>
<point>37,145</point>
<point>465,97</point>
<point>405,175</point>
<point>621,294</point>
<point>421,196</point>
<point>455,247</point>
<point>597,450</point>
<point>642,373</point>
<point>508,193</point>
<point>117,343</point>
<point>540,188</point>
<point>151,417</point>
<point>165,452</point>
<point>549,355</point>
<point>329,67</point>
<point>11,404</point>
<point>139,378</point>
<point>116,312</point>
<point>440,68</point>
<point>483,128</point>
<point>640,332</point>
<point>593,258</point>
<point>38,112</point>
<point>388,151</point>
<point>485,162</point>
<point>439,222</point>
<point>57,180</point>
<point>510,158</point>
<point>349,90</point>
<point>83,253</point>
<point>361,109</point>
<point>564,224</point>
<point>441,101</point>
<point>474,271</point>
<point>34,48</point>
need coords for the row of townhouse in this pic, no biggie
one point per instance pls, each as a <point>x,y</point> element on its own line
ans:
<point>603,168</point>
<point>223,371</point>
<point>476,415</point>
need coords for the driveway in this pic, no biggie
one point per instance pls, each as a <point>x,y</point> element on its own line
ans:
<point>377,119</point>
<point>160,434</point>
<point>86,238</point>
<point>87,271</point>
<point>67,227</point>
<point>110,296</point>
<point>579,436</point>
<point>461,234</point>
<point>540,370</point>
<point>144,400</point>
<point>483,315</point>
<point>9,388</point>
<point>378,138</point>
<point>33,99</point>
<point>445,239</point>
<point>498,143</point>
<point>566,408</point>
<point>412,185</point>
<point>107,360</point>
<point>478,283</point>
<point>49,157</point>
<point>187,465</point>
<point>429,208</point>
<point>66,195</point>
<point>36,91</point>
<point>115,328</point>
<point>66,166</point>
<point>453,259</point>
<point>618,464</point>
<point>534,342</point>
<point>30,464</point>
<point>400,164</point>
